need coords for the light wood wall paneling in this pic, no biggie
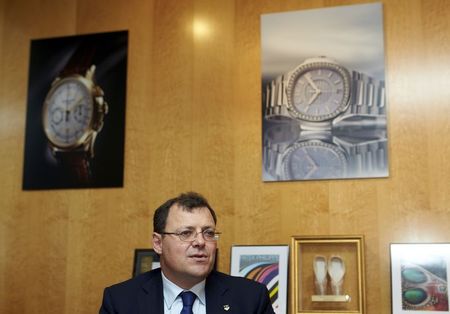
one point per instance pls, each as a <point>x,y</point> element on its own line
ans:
<point>109,224</point>
<point>193,122</point>
<point>212,151</point>
<point>4,212</point>
<point>34,233</point>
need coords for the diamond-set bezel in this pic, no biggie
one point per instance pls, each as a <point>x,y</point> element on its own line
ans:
<point>312,66</point>
<point>311,143</point>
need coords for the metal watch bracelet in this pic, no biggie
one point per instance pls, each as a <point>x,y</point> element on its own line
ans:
<point>363,158</point>
<point>367,97</point>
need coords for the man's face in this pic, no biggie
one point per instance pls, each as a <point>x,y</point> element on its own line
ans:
<point>186,263</point>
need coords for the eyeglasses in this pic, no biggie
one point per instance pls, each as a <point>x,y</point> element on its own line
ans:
<point>188,235</point>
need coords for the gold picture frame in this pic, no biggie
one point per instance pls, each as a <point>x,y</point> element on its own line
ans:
<point>327,275</point>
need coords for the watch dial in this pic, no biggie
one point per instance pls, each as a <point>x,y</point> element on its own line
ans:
<point>314,160</point>
<point>68,112</point>
<point>319,91</point>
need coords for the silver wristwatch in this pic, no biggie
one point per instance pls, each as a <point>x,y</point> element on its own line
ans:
<point>322,94</point>
<point>310,155</point>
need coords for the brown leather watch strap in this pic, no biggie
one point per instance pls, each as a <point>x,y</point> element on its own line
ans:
<point>76,165</point>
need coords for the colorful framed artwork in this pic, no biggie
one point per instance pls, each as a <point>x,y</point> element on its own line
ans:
<point>327,275</point>
<point>267,264</point>
<point>419,277</point>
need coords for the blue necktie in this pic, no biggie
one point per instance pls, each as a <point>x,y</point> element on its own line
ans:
<point>188,298</point>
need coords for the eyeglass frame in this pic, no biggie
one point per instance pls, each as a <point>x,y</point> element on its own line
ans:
<point>179,235</point>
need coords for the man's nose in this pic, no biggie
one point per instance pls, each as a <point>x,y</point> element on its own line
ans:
<point>199,239</point>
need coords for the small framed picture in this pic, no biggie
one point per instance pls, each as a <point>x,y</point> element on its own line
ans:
<point>327,275</point>
<point>419,277</point>
<point>144,260</point>
<point>147,259</point>
<point>266,264</point>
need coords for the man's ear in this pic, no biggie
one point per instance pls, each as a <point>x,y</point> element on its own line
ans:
<point>157,242</point>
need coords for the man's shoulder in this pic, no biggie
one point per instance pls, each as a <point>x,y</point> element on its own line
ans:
<point>243,294</point>
<point>138,281</point>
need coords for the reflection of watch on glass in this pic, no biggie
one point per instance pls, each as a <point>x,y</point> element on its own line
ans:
<point>73,114</point>
<point>320,155</point>
<point>320,93</point>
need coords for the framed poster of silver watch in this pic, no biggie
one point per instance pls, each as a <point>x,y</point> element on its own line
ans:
<point>323,94</point>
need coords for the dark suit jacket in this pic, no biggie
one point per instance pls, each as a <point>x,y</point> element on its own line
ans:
<point>144,295</point>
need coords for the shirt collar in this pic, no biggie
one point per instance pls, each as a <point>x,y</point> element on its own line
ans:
<point>171,291</point>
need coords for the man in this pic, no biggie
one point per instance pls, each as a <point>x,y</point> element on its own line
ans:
<point>185,237</point>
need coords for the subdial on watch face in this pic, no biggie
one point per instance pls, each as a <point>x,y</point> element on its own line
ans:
<point>319,93</point>
<point>313,160</point>
<point>68,112</point>
<point>57,116</point>
<point>79,113</point>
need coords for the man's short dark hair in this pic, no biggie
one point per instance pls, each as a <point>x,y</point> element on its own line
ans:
<point>187,201</point>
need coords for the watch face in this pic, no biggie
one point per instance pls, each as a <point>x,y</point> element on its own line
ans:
<point>313,159</point>
<point>68,112</point>
<point>318,91</point>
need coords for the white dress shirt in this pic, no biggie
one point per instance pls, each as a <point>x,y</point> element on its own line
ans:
<point>172,300</point>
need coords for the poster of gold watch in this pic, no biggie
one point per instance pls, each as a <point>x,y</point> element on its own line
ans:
<point>75,122</point>
<point>324,94</point>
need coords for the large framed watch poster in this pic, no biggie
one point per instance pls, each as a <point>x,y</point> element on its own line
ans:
<point>323,94</point>
<point>75,123</point>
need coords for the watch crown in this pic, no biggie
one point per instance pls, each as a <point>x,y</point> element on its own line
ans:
<point>105,107</point>
<point>98,91</point>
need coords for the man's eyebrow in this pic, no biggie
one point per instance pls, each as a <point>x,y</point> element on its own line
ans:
<point>194,228</point>
<point>186,227</point>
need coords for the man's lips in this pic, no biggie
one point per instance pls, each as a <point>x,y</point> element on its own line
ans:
<point>199,257</point>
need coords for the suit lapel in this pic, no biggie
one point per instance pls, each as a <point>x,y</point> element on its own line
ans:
<point>151,297</point>
<point>216,299</point>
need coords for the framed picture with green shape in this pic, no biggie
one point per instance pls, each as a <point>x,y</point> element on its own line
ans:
<point>419,277</point>
<point>267,264</point>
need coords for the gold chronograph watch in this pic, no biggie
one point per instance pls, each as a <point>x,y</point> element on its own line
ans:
<point>73,114</point>
<point>321,94</point>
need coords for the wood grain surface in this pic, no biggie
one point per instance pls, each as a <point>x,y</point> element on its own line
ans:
<point>193,122</point>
